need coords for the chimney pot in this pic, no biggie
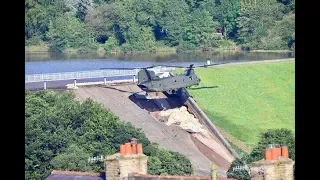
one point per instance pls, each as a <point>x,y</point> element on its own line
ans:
<point>285,151</point>
<point>134,148</point>
<point>278,149</point>
<point>267,154</point>
<point>122,149</point>
<point>139,148</point>
<point>274,154</point>
<point>128,148</point>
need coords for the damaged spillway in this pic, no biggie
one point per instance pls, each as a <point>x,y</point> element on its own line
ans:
<point>205,141</point>
<point>166,120</point>
<point>182,118</point>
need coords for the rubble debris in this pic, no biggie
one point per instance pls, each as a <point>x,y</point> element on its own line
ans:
<point>182,118</point>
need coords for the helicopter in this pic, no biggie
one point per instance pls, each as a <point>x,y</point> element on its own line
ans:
<point>148,81</point>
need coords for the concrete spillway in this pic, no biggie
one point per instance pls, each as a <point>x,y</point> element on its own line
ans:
<point>139,112</point>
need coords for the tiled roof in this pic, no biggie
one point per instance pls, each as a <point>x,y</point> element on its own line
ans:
<point>137,176</point>
<point>75,175</point>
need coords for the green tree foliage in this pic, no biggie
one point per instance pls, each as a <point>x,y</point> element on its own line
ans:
<point>200,29</point>
<point>38,15</point>
<point>82,8</point>
<point>100,20</point>
<point>283,137</point>
<point>263,26</point>
<point>165,162</point>
<point>111,44</point>
<point>155,166</point>
<point>147,24</point>
<point>63,133</point>
<point>238,174</point>
<point>274,136</point>
<point>173,19</point>
<point>68,32</point>
<point>226,12</point>
<point>73,159</point>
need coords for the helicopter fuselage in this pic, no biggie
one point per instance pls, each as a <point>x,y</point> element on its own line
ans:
<point>172,83</point>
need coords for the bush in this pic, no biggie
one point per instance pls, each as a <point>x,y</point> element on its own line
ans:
<point>68,32</point>
<point>224,43</point>
<point>62,133</point>
<point>238,174</point>
<point>272,136</point>
<point>273,43</point>
<point>111,44</point>
<point>185,46</point>
<point>34,41</point>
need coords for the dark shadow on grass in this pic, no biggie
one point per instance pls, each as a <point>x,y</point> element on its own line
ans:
<point>203,87</point>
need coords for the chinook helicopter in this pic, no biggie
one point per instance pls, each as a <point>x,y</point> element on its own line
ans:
<point>148,81</point>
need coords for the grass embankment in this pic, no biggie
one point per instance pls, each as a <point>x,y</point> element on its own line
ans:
<point>248,98</point>
<point>43,47</point>
<point>37,48</point>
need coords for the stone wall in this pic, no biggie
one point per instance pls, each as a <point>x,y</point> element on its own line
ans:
<point>136,176</point>
<point>119,166</point>
<point>281,169</point>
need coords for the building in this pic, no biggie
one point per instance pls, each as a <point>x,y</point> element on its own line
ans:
<point>131,163</point>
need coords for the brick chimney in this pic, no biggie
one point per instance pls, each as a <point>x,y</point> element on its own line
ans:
<point>130,159</point>
<point>276,165</point>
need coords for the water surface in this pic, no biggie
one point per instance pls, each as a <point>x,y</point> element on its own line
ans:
<point>36,63</point>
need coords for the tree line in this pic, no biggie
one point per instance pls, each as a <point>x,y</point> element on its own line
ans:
<point>145,25</point>
<point>62,133</point>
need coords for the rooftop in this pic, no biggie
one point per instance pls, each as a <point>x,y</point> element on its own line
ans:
<point>75,175</point>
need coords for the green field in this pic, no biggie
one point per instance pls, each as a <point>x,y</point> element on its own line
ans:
<point>248,98</point>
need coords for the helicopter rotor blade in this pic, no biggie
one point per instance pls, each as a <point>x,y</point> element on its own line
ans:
<point>148,67</point>
<point>215,64</point>
<point>121,68</point>
<point>176,66</point>
<point>173,66</point>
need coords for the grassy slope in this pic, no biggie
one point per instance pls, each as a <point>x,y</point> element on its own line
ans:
<point>249,99</point>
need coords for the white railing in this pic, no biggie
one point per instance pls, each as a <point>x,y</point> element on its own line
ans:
<point>87,74</point>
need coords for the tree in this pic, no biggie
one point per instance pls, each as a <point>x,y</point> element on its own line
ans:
<point>111,44</point>
<point>155,166</point>
<point>200,28</point>
<point>226,12</point>
<point>61,133</point>
<point>172,20</point>
<point>101,21</point>
<point>272,136</point>
<point>69,32</point>
<point>146,24</point>
<point>82,9</point>
<point>73,159</point>
<point>39,14</point>
<point>256,24</point>
<point>238,174</point>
